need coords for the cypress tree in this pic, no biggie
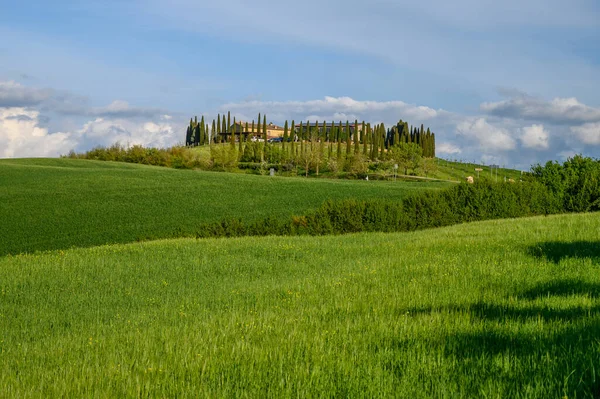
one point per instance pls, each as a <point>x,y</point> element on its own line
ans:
<point>218,123</point>
<point>202,131</point>
<point>428,135</point>
<point>196,135</point>
<point>347,135</point>
<point>339,140</point>
<point>374,143</point>
<point>213,132</point>
<point>355,136</point>
<point>229,121</point>
<point>293,137</point>
<point>258,130</point>
<point>188,136</point>
<point>301,140</point>
<point>253,129</point>
<point>285,136</point>
<point>265,129</point>
<point>224,129</point>
<point>240,146</point>
<point>365,139</point>
<point>382,135</point>
<point>232,132</point>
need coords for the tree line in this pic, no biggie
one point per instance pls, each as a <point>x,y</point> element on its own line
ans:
<point>373,141</point>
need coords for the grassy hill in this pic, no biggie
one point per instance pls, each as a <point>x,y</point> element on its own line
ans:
<point>61,203</point>
<point>506,308</point>
<point>449,170</point>
<point>442,169</point>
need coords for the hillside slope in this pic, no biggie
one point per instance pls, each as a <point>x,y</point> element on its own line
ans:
<point>507,308</point>
<point>61,203</point>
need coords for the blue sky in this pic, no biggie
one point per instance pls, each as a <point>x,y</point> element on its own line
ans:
<point>508,82</point>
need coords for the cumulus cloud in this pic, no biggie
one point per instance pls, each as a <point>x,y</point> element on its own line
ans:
<point>104,132</point>
<point>21,136</point>
<point>535,137</point>
<point>558,111</point>
<point>116,109</point>
<point>588,133</point>
<point>336,108</point>
<point>13,94</point>
<point>447,149</point>
<point>487,136</point>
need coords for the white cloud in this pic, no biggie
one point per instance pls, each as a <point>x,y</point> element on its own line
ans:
<point>558,110</point>
<point>488,137</point>
<point>20,135</point>
<point>335,108</point>
<point>104,132</point>
<point>535,137</point>
<point>588,133</point>
<point>14,94</point>
<point>447,148</point>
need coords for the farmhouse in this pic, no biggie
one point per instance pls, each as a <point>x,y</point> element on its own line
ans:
<point>240,128</point>
<point>274,130</point>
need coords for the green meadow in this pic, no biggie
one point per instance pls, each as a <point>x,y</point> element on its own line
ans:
<point>62,203</point>
<point>497,309</point>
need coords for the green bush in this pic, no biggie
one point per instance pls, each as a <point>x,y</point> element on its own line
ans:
<point>459,204</point>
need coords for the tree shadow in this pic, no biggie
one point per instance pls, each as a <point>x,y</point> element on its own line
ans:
<point>563,288</point>
<point>555,251</point>
<point>569,337</point>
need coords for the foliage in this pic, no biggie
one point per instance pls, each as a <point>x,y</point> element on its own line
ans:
<point>224,157</point>
<point>407,155</point>
<point>575,183</point>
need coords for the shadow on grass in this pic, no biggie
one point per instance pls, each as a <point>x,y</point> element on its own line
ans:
<point>553,340</point>
<point>555,251</point>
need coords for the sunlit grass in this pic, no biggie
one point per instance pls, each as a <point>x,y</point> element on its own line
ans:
<point>505,308</point>
<point>63,203</point>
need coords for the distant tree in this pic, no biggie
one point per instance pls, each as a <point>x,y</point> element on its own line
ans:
<point>188,136</point>
<point>213,132</point>
<point>240,145</point>
<point>218,123</point>
<point>374,143</point>
<point>365,139</point>
<point>258,129</point>
<point>293,137</point>
<point>265,129</point>
<point>339,141</point>
<point>285,136</point>
<point>202,132</point>
<point>232,132</point>
<point>197,135</point>
<point>356,137</point>
<point>301,140</point>
<point>347,135</point>
<point>229,122</point>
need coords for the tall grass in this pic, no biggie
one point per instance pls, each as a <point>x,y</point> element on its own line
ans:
<point>507,308</point>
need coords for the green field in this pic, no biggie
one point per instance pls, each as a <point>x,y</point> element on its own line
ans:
<point>506,308</point>
<point>62,203</point>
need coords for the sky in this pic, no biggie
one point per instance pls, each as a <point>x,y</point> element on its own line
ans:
<point>508,82</point>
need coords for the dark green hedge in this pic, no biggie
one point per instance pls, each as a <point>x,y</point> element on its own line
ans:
<point>459,204</point>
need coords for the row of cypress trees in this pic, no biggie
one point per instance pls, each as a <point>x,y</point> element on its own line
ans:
<point>374,140</point>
